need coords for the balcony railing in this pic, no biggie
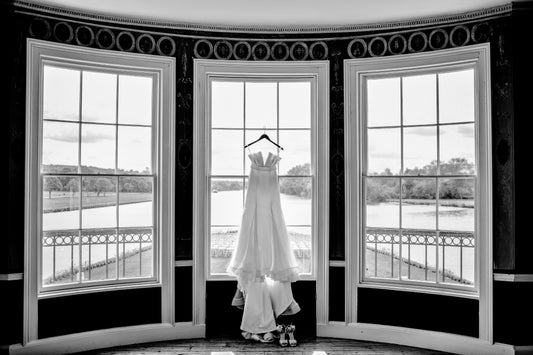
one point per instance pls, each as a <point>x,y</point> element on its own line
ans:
<point>425,250</point>
<point>126,246</point>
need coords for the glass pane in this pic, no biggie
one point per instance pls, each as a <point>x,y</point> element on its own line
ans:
<point>384,151</point>
<point>99,202</point>
<point>261,105</point>
<point>135,199</point>
<point>99,254</point>
<point>457,149</point>
<point>223,242</point>
<point>382,202</point>
<point>97,148</point>
<point>296,200</point>
<point>456,258</point>
<point>456,96</point>
<point>135,150</point>
<point>381,259</point>
<point>99,102</point>
<point>227,104</point>
<point>132,257</point>
<point>420,99</point>
<point>60,261</point>
<point>295,105</point>
<point>456,204</point>
<point>135,100</point>
<point>383,100</point>
<point>418,203</point>
<point>61,202</point>
<point>302,244</point>
<point>61,94</point>
<point>226,152</point>
<point>418,255</point>
<point>296,156</point>
<point>227,196</point>
<point>60,147</point>
<point>263,146</point>
<point>420,150</point>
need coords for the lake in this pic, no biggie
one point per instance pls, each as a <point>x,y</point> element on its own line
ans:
<point>226,212</point>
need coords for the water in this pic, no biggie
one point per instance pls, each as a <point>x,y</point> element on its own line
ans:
<point>227,210</point>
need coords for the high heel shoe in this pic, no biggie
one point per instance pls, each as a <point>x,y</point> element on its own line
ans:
<point>282,332</point>
<point>289,330</point>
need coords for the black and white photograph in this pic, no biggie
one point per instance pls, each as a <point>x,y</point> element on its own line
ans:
<point>300,177</point>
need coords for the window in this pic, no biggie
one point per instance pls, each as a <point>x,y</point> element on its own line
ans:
<point>242,110</point>
<point>422,136</point>
<point>236,103</point>
<point>98,211</point>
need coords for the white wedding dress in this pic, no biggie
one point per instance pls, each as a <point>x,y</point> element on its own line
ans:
<point>263,260</point>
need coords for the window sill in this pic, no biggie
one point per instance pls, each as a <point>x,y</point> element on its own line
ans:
<point>471,293</point>
<point>97,288</point>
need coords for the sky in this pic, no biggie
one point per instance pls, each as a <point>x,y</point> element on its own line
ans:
<point>99,104</point>
<point>255,105</point>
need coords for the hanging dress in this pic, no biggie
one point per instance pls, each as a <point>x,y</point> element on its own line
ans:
<point>263,259</point>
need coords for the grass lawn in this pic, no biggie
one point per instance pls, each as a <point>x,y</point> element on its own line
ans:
<point>69,202</point>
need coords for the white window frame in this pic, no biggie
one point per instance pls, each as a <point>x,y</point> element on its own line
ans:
<point>205,71</point>
<point>356,71</point>
<point>162,69</point>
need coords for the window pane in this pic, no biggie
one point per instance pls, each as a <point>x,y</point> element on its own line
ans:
<point>420,150</point>
<point>457,258</point>
<point>420,99</point>
<point>227,104</point>
<point>302,244</point>
<point>135,257</point>
<point>418,203</point>
<point>60,147</point>
<point>456,204</point>
<point>99,102</point>
<point>61,202</point>
<point>135,150</point>
<point>97,148</point>
<point>382,202</point>
<point>261,105</point>
<point>223,242</point>
<point>382,253</point>
<point>383,102</point>
<point>226,152</point>
<point>384,151</point>
<point>263,146</point>
<point>61,94</point>
<point>60,263</point>
<point>135,100</point>
<point>456,96</point>
<point>419,255</point>
<point>296,156</point>
<point>99,254</point>
<point>295,105</point>
<point>135,200</point>
<point>99,202</point>
<point>296,200</point>
<point>227,197</point>
<point>457,149</point>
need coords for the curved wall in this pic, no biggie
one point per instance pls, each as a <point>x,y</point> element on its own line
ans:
<point>498,26</point>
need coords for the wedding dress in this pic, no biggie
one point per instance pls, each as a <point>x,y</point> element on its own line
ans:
<point>263,260</point>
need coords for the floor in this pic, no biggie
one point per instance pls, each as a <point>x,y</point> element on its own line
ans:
<point>319,346</point>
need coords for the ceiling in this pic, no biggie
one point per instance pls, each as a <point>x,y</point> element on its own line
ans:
<point>275,12</point>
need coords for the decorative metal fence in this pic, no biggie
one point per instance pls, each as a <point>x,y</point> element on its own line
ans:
<point>407,238</point>
<point>121,241</point>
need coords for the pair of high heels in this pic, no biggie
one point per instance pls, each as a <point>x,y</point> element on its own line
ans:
<point>284,332</point>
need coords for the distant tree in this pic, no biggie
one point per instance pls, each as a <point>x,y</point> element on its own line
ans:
<point>297,186</point>
<point>128,187</point>
<point>73,185</point>
<point>52,184</point>
<point>103,185</point>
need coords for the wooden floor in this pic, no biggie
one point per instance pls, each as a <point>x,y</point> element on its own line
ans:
<point>319,346</point>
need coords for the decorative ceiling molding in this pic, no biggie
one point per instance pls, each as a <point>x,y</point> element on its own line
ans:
<point>427,21</point>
